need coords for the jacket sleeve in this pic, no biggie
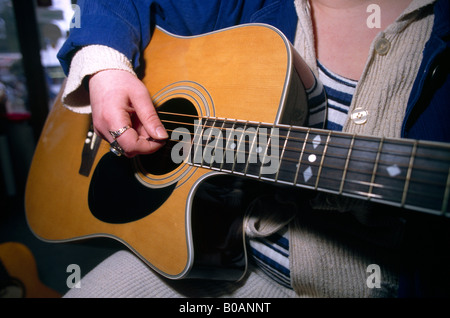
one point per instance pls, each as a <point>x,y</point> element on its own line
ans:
<point>116,24</point>
<point>427,114</point>
<point>126,25</point>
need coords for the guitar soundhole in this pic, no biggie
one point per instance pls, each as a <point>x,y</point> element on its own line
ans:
<point>115,195</point>
<point>175,114</point>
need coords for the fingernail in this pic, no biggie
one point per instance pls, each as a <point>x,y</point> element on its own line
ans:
<point>161,133</point>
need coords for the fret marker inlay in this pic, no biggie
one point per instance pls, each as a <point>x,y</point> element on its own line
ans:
<point>307,174</point>
<point>316,141</point>
<point>393,170</point>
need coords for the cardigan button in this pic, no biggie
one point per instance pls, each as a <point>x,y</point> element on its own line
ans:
<point>436,73</point>
<point>359,116</point>
<point>382,46</point>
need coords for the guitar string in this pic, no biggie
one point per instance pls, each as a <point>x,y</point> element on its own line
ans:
<point>344,146</point>
<point>387,195</point>
<point>336,145</point>
<point>299,129</point>
<point>427,181</point>
<point>422,168</point>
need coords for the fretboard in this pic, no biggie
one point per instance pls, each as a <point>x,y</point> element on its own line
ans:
<point>400,172</point>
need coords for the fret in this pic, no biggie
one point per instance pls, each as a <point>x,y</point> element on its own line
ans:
<point>195,157</point>
<point>391,175</point>
<point>361,170</point>
<point>245,135</point>
<point>289,163</point>
<point>213,151</point>
<point>237,147</point>
<point>207,149</point>
<point>218,163</point>
<point>352,142</point>
<point>429,180</point>
<point>230,145</point>
<point>408,174</point>
<point>225,165</point>
<point>283,152</point>
<point>333,161</point>
<point>270,160</point>
<point>300,158</point>
<point>251,161</point>
<point>323,158</point>
<point>312,158</point>
<point>253,167</point>
<point>264,151</point>
<point>218,154</point>
<point>375,167</point>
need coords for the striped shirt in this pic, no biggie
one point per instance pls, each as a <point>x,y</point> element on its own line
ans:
<point>329,100</point>
<point>340,91</point>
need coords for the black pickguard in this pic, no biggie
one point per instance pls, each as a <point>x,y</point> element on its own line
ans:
<point>116,196</point>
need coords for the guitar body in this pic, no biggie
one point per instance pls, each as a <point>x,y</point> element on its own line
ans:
<point>71,194</point>
<point>19,275</point>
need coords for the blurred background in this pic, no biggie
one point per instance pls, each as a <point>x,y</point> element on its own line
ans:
<point>31,33</point>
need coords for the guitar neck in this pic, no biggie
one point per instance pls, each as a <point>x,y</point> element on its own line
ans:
<point>400,172</point>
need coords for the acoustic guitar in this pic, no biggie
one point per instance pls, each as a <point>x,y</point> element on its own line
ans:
<point>19,276</point>
<point>233,104</point>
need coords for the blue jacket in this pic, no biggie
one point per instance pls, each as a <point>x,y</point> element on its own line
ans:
<point>111,23</point>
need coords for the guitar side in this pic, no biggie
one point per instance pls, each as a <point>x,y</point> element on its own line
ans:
<point>221,74</point>
<point>20,277</point>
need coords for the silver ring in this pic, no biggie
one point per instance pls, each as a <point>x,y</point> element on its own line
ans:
<point>116,149</point>
<point>117,133</point>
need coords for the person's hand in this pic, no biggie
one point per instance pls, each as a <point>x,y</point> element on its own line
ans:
<point>119,99</point>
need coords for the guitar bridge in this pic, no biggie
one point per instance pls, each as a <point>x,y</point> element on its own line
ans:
<point>90,148</point>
